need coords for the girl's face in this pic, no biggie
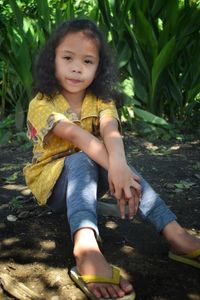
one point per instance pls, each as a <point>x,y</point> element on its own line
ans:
<point>76,63</point>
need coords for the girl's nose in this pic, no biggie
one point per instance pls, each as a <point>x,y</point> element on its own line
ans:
<point>76,71</point>
<point>76,68</point>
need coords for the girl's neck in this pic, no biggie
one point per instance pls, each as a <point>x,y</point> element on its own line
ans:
<point>74,100</point>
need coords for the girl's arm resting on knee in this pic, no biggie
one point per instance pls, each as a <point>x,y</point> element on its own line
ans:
<point>123,182</point>
<point>84,140</point>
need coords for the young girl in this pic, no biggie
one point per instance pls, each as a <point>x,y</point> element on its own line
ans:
<point>74,125</point>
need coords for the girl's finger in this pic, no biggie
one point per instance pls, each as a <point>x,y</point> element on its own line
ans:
<point>136,186</point>
<point>137,178</point>
<point>136,201</point>
<point>128,193</point>
<point>131,207</point>
<point>133,203</point>
<point>111,188</point>
<point>118,193</point>
<point>122,207</point>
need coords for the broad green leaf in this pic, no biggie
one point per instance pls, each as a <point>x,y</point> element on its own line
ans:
<point>137,53</point>
<point>18,15</point>
<point>172,12</point>
<point>149,117</point>
<point>44,14</point>
<point>162,60</point>
<point>175,89</point>
<point>127,86</point>
<point>140,90</point>
<point>124,54</point>
<point>23,65</point>
<point>145,33</point>
<point>104,7</point>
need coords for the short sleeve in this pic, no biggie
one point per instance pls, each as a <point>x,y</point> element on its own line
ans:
<point>107,110</point>
<point>42,117</point>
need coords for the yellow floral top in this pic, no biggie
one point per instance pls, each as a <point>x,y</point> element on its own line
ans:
<point>49,150</point>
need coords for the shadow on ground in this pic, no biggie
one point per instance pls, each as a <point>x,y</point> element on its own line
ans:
<point>36,248</point>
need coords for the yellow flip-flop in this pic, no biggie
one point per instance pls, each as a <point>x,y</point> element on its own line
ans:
<point>82,281</point>
<point>192,258</point>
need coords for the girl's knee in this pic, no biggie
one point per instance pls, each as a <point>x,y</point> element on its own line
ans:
<point>83,157</point>
<point>79,161</point>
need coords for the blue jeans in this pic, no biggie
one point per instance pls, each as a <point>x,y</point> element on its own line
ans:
<point>79,185</point>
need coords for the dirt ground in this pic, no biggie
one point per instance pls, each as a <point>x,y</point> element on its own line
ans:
<point>35,245</point>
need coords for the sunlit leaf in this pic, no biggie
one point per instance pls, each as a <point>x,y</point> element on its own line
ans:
<point>149,117</point>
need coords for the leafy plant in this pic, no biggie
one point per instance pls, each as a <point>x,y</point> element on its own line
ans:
<point>15,204</point>
<point>5,129</point>
<point>157,44</point>
<point>23,35</point>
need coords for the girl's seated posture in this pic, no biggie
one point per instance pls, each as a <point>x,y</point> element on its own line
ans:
<point>74,125</point>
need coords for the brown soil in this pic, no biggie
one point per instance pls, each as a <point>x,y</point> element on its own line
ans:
<point>36,248</point>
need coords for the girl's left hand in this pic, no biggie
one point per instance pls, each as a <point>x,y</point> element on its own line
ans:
<point>125,186</point>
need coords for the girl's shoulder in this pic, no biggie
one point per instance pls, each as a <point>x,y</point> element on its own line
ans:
<point>39,97</point>
<point>102,104</point>
<point>41,100</point>
<point>92,101</point>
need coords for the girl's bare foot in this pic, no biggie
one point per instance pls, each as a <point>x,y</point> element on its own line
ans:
<point>90,261</point>
<point>180,241</point>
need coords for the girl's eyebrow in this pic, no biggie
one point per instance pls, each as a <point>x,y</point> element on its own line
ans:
<point>90,56</point>
<point>71,52</point>
<point>67,51</point>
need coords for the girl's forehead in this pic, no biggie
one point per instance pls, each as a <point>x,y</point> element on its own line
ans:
<point>79,39</point>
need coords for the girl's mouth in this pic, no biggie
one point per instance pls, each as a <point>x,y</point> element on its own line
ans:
<point>75,81</point>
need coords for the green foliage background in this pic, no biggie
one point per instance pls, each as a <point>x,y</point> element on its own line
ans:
<point>156,44</point>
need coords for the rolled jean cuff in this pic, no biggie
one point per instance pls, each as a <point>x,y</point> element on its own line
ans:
<point>160,215</point>
<point>83,219</point>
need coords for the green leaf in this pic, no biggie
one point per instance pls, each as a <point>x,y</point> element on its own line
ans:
<point>157,6</point>
<point>184,184</point>
<point>5,136</point>
<point>145,33</point>
<point>44,14</point>
<point>194,91</point>
<point>162,60</point>
<point>124,54</point>
<point>149,117</point>
<point>19,116</point>
<point>175,89</point>
<point>140,62</point>
<point>12,177</point>
<point>172,12</point>
<point>105,12</point>
<point>18,15</point>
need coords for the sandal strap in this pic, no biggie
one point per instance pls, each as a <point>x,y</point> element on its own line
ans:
<point>193,254</point>
<point>115,279</point>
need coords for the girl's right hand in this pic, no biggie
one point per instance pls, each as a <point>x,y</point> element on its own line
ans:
<point>125,186</point>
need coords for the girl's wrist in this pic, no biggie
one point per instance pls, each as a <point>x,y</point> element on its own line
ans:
<point>117,153</point>
<point>118,157</point>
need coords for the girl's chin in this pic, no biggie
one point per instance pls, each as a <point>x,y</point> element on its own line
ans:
<point>73,92</point>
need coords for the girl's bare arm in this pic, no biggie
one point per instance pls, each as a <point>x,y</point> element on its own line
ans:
<point>84,140</point>
<point>123,182</point>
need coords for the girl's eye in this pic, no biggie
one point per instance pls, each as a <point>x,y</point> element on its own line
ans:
<point>88,61</point>
<point>67,57</point>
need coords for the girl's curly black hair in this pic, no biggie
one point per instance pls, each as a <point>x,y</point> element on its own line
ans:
<point>104,84</point>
